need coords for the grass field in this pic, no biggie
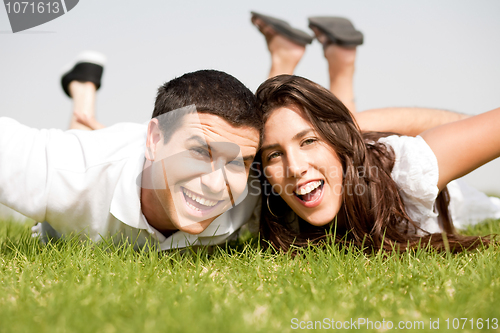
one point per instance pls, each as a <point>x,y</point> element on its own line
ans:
<point>69,286</point>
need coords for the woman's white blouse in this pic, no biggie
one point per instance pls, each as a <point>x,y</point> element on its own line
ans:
<point>416,173</point>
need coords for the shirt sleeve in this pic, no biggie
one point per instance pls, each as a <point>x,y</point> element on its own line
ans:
<point>24,168</point>
<point>416,173</point>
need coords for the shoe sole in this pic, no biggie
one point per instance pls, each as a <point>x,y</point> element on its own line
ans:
<point>286,30</point>
<point>338,30</point>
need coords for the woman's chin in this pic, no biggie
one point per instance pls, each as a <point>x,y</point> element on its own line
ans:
<point>197,227</point>
<point>320,218</point>
<point>319,222</point>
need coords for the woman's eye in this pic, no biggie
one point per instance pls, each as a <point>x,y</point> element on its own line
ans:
<point>273,155</point>
<point>308,142</point>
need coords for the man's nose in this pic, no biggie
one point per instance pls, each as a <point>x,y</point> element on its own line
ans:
<point>214,181</point>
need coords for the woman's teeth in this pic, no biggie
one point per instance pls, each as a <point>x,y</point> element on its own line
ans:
<point>309,188</point>
<point>205,202</point>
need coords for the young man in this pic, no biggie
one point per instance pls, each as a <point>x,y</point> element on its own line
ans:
<point>179,181</point>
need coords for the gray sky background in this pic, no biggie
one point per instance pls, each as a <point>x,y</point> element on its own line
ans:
<point>442,54</point>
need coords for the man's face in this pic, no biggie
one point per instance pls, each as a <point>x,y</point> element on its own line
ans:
<point>202,170</point>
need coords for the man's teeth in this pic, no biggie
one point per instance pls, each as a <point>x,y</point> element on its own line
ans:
<point>205,202</point>
<point>309,188</point>
<point>192,207</point>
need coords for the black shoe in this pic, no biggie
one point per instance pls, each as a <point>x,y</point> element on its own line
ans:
<point>87,68</point>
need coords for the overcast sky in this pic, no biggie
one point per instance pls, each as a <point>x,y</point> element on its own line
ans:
<point>442,54</point>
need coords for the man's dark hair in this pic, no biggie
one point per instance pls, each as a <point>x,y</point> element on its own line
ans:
<point>212,92</point>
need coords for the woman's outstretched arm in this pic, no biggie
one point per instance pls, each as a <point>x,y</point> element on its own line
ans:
<point>464,145</point>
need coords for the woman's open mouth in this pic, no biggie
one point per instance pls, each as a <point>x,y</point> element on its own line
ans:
<point>199,205</point>
<point>311,194</point>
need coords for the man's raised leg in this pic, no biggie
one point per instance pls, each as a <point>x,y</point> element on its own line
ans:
<point>83,95</point>
<point>81,83</point>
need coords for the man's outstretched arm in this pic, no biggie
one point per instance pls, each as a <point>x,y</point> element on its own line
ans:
<point>23,168</point>
<point>405,121</point>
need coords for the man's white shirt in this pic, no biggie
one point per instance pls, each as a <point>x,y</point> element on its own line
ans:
<point>88,183</point>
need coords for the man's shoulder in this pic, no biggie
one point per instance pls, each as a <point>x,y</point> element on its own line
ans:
<point>77,149</point>
<point>125,127</point>
<point>128,132</point>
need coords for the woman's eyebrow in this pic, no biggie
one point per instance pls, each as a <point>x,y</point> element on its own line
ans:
<point>249,158</point>
<point>295,137</point>
<point>264,148</point>
<point>302,133</point>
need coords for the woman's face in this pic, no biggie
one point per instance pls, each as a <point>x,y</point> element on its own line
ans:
<point>301,166</point>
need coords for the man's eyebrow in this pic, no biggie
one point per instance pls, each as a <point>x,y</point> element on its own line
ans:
<point>295,137</point>
<point>202,142</point>
<point>198,139</point>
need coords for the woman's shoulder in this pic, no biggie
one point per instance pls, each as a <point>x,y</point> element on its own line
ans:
<point>413,156</point>
<point>416,173</point>
<point>396,141</point>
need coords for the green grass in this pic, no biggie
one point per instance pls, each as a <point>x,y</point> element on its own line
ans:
<point>69,286</point>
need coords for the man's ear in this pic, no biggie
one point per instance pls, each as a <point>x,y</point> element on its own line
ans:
<point>153,140</point>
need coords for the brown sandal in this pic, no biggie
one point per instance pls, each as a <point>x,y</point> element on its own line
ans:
<point>338,30</point>
<point>286,30</point>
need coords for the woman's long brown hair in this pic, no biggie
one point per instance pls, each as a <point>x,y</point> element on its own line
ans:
<point>372,219</point>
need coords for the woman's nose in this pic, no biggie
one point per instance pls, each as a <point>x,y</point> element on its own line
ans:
<point>297,165</point>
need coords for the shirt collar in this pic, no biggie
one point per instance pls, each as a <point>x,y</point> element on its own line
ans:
<point>126,202</point>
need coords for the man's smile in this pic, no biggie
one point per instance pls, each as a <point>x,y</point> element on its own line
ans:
<point>199,205</point>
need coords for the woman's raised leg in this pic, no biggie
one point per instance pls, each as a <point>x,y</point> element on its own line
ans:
<point>341,65</point>
<point>285,53</point>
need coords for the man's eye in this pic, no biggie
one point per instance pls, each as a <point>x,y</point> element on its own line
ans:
<point>198,151</point>
<point>237,163</point>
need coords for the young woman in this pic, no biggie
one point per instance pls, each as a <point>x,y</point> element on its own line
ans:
<point>366,200</point>
<point>375,190</point>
